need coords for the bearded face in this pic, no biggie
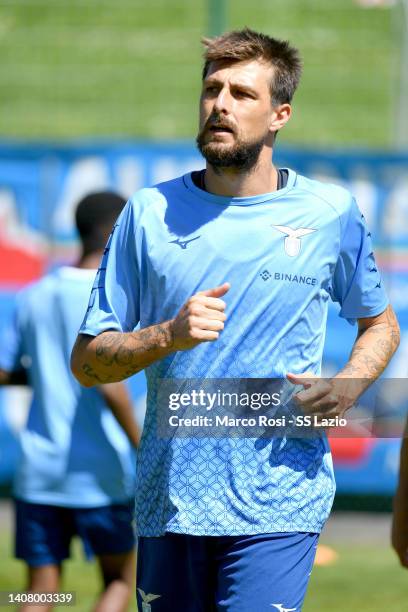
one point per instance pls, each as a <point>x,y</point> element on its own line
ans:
<point>221,151</point>
<point>235,114</point>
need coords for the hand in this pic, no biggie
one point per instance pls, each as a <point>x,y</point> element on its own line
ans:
<point>323,398</point>
<point>399,530</point>
<point>201,319</point>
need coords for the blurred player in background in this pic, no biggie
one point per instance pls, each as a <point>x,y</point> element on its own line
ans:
<point>233,523</point>
<point>76,475</point>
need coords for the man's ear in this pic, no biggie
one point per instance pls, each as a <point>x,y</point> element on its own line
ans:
<point>279,117</point>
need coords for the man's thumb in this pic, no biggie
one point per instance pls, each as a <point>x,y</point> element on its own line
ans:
<point>216,291</point>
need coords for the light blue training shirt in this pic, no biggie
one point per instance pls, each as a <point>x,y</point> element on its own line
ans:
<point>73,451</point>
<point>286,254</point>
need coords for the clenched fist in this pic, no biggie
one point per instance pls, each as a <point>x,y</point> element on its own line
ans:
<point>201,319</point>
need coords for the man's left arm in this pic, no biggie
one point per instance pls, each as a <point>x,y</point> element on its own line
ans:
<point>357,287</point>
<point>377,340</point>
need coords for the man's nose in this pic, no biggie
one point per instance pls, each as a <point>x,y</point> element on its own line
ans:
<point>222,103</point>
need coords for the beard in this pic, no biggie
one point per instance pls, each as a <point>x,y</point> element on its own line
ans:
<point>242,155</point>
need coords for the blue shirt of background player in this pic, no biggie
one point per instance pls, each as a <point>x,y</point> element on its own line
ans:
<point>73,451</point>
<point>285,253</point>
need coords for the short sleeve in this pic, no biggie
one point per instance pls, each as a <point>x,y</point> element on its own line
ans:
<point>114,299</point>
<point>356,283</point>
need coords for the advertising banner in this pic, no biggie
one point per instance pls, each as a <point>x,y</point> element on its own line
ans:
<point>41,183</point>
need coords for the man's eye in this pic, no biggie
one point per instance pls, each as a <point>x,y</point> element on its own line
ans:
<point>242,94</point>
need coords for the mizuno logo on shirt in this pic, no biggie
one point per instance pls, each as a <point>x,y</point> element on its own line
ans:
<point>292,241</point>
<point>183,243</point>
<point>282,609</point>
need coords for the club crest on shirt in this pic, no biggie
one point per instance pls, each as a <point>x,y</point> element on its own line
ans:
<point>292,242</point>
<point>146,599</point>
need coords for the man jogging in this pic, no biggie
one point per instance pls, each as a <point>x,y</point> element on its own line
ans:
<point>229,271</point>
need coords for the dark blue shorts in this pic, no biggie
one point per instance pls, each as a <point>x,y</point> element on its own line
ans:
<point>257,573</point>
<point>44,533</point>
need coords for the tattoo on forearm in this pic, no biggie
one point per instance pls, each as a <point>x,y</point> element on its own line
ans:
<point>132,350</point>
<point>90,372</point>
<point>105,347</point>
<point>373,349</point>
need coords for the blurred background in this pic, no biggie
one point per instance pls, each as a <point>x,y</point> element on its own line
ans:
<point>97,94</point>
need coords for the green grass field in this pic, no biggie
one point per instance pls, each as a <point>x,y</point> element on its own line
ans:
<point>365,578</point>
<point>132,69</point>
<point>79,576</point>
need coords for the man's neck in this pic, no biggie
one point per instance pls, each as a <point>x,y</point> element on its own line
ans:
<point>242,183</point>
<point>90,261</point>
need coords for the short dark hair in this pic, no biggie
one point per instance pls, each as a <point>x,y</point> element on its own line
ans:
<point>94,217</point>
<point>246,44</point>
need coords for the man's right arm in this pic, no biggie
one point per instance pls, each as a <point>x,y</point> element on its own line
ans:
<point>113,356</point>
